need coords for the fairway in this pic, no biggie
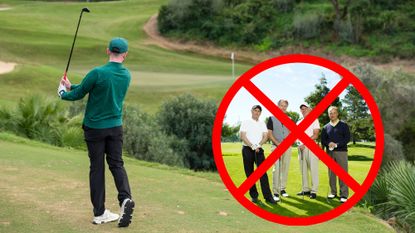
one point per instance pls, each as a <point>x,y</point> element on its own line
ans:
<point>45,189</point>
<point>38,35</point>
<point>360,159</point>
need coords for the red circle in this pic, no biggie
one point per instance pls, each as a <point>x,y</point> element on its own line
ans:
<point>246,77</point>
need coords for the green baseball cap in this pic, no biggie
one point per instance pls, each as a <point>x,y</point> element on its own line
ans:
<point>118,45</point>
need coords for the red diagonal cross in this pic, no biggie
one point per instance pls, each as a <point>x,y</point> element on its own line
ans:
<point>298,132</point>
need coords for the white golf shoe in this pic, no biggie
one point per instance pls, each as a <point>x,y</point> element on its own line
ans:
<point>107,216</point>
<point>127,209</point>
<point>331,196</point>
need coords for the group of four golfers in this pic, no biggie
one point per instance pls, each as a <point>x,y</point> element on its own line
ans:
<point>334,138</point>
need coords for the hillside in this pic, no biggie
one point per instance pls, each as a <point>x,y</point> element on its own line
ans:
<point>37,35</point>
<point>377,29</point>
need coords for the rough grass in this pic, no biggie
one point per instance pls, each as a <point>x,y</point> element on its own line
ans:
<point>45,189</point>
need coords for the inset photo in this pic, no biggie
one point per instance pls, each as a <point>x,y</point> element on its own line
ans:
<point>298,140</point>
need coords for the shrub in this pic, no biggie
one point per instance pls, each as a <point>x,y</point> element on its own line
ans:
<point>144,139</point>
<point>36,117</point>
<point>393,150</point>
<point>307,26</point>
<point>344,28</point>
<point>393,92</point>
<point>393,192</point>
<point>73,137</point>
<point>401,178</point>
<point>191,120</point>
<point>284,5</point>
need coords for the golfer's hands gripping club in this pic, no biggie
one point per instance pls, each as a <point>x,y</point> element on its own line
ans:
<point>256,147</point>
<point>65,81</point>
<point>61,90</point>
<point>63,86</point>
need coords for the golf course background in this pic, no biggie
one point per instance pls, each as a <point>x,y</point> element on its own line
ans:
<point>38,35</point>
<point>45,188</point>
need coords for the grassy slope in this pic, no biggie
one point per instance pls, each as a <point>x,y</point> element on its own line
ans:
<point>360,159</point>
<point>38,36</point>
<point>45,189</point>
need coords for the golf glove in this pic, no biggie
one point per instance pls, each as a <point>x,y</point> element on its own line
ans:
<point>61,90</point>
<point>255,146</point>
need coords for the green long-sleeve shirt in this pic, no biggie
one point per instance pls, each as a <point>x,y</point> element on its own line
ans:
<point>107,86</point>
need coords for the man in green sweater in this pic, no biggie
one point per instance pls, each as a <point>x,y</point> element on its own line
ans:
<point>107,86</point>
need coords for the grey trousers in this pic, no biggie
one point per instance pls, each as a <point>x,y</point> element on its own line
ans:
<point>341,158</point>
<point>308,161</point>
<point>280,171</point>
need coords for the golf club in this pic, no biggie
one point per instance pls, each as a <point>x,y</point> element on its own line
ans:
<point>256,161</point>
<point>280,178</point>
<point>328,190</point>
<point>74,39</point>
<point>302,170</point>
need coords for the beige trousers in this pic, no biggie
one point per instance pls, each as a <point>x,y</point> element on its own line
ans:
<point>308,162</point>
<point>280,171</point>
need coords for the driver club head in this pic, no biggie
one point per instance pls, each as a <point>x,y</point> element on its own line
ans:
<point>85,9</point>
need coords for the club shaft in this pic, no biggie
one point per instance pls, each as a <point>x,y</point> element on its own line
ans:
<point>73,44</point>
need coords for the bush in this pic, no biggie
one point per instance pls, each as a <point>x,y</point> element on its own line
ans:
<point>73,137</point>
<point>401,178</point>
<point>36,117</point>
<point>393,150</point>
<point>393,192</point>
<point>345,30</point>
<point>284,5</point>
<point>191,120</point>
<point>393,92</point>
<point>307,26</point>
<point>144,139</point>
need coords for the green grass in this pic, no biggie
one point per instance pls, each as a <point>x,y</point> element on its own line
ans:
<point>360,159</point>
<point>45,189</point>
<point>38,36</point>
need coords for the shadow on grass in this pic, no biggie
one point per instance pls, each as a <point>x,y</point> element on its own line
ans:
<point>359,158</point>
<point>307,206</point>
<point>362,145</point>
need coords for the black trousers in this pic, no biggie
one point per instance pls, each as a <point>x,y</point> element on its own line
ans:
<point>250,157</point>
<point>107,142</point>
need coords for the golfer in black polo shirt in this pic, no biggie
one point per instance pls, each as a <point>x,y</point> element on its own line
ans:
<point>334,137</point>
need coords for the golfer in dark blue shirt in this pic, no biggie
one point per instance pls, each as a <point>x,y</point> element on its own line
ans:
<point>334,137</point>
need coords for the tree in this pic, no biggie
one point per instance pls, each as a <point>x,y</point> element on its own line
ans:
<point>294,116</point>
<point>230,133</point>
<point>320,92</point>
<point>358,117</point>
<point>340,13</point>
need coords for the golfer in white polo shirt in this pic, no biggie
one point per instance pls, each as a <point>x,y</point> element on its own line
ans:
<point>308,160</point>
<point>253,133</point>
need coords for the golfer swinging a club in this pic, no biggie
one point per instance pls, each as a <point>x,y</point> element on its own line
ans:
<point>107,86</point>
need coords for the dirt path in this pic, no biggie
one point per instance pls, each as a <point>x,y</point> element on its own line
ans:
<point>6,67</point>
<point>150,28</point>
